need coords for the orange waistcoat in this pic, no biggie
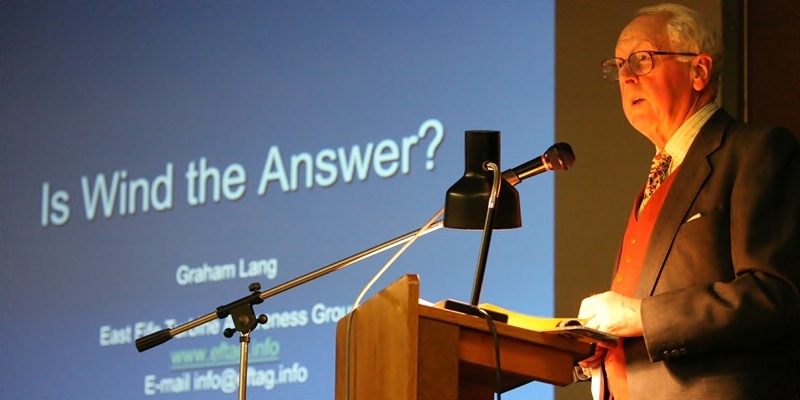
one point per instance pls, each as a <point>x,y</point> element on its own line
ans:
<point>634,247</point>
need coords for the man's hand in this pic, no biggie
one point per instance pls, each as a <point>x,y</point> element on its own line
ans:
<point>613,313</point>
<point>595,359</point>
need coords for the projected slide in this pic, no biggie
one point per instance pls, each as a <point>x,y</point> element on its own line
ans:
<point>159,157</point>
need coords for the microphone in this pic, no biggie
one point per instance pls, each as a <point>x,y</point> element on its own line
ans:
<point>558,157</point>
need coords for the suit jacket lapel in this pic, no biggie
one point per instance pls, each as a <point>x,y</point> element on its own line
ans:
<point>686,185</point>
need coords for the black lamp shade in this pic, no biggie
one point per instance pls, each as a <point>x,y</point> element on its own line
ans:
<point>466,201</point>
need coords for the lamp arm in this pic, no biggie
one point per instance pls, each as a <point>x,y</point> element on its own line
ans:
<point>487,232</point>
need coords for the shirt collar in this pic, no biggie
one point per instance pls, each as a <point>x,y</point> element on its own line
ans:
<point>678,145</point>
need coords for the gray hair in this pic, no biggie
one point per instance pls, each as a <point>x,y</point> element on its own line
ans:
<point>688,31</point>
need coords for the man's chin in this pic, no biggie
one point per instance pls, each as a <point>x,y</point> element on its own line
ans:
<point>639,121</point>
<point>644,127</point>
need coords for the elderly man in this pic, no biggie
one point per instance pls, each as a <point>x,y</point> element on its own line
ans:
<point>705,295</point>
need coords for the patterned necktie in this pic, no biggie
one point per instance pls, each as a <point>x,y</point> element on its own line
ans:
<point>658,173</point>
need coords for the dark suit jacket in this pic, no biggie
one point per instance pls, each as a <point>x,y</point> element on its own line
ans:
<point>721,278</point>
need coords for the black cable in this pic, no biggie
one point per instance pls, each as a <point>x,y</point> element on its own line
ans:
<point>498,370</point>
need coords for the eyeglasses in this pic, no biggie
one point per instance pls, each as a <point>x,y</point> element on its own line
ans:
<point>640,62</point>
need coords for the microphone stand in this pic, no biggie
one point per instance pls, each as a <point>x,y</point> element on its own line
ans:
<point>242,312</point>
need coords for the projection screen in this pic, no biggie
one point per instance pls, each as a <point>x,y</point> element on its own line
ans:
<point>160,156</point>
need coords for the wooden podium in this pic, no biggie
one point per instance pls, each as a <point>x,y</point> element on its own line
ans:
<point>400,349</point>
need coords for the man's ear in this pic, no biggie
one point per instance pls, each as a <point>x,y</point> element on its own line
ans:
<point>701,71</point>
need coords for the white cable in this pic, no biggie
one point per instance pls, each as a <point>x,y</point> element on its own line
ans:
<point>419,233</point>
<point>395,256</point>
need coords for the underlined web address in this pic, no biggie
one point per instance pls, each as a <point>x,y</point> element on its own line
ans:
<point>224,354</point>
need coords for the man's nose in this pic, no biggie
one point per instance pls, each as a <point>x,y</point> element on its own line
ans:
<point>626,74</point>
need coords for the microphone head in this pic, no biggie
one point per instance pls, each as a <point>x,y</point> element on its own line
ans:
<point>559,157</point>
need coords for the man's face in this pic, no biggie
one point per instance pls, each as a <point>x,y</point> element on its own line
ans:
<point>657,103</point>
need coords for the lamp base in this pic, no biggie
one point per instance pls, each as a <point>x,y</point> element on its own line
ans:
<point>469,309</point>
